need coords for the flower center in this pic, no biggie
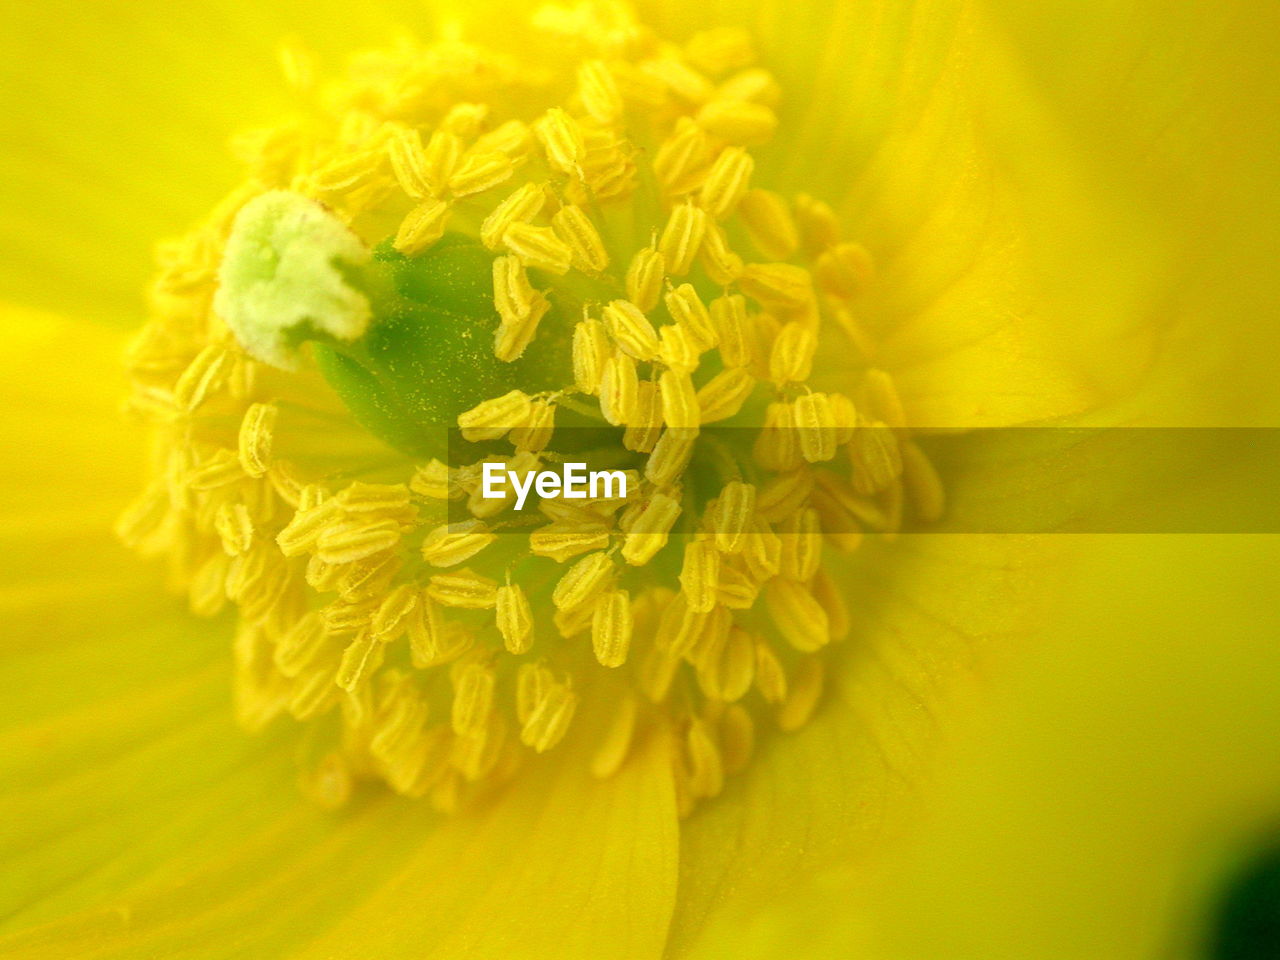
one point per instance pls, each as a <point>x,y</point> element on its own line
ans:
<point>454,258</point>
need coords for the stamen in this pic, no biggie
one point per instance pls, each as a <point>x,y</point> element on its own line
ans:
<point>923,483</point>
<point>771,679</point>
<point>680,627</point>
<point>357,661</point>
<point>562,139</point>
<point>421,227</point>
<point>724,394</point>
<point>480,171</point>
<point>353,540</point>
<point>700,575</point>
<point>561,290</point>
<point>440,158</point>
<point>678,348</point>
<point>538,247</point>
<point>880,398</point>
<point>575,228</point>
<point>781,284</point>
<point>797,615</point>
<point>769,222</point>
<point>729,318</point>
<point>256,431</point>
<point>706,773</point>
<point>726,182</point>
<point>876,457</point>
<point>754,86</point>
<point>618,389</point>
<point>492,418</point>
<point>726,668</point>
<point>204,375</point>
<point>520,207</point>
<point>644,278</point>
<point>599,92</point>
<point>235,526</point>
<point>455,543</point>
<point>776,447</point>
<point>784,494</point>
<point>644,426</point>
<point>649,531</point>
<point>819,226</point>
<point>802,698</point>
<point>590,353</point>
<point>671,454</point>
<point>631,329</point>
<point>611,628</point>
<point>408,162</point>
<point>763,550</point>
<point>720,50</point>
<point>544,706</point>
<point>535,433</point>
<point>815,427</point>
<point>465,589</point>
<point>723,266</point>
<point>682,237</point>
<point>393,615</point>
<point>515,618</point>
<point>582,581</point>
<point>687,308</point>
<point>845,269</point>
<point>550,719</point>
<point>514,138</point>
<point>679,402</point>
<point>738,121</point>
<point>731,516</point>
<point>801,536</point>
<point>472,698</point>
<point>564,541</point>
<point>791,359</point>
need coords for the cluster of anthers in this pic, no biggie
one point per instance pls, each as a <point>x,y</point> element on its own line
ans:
<point>614,194</point>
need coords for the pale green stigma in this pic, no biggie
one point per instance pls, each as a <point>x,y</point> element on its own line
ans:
<point>285,278</point>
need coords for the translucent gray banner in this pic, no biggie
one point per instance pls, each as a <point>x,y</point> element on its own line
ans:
<point>1021,480</point>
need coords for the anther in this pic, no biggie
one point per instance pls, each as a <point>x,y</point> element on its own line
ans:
<point>421,227</point>
<point>455,543</point>
<point>768,220</point>
<point>631,329</point>
<point>611,628</point>
<point>618,389</point>
<point>514,618</point>
<point>724,394</point>
<point>257,430</point>
<point>644,278</point>
<point>726,182</point>
<point>648,534</point>
<point>582,581</point>
<point>797,615</point>
<point>538,247</point>
<point>520,207</point>
<point>682,237</point>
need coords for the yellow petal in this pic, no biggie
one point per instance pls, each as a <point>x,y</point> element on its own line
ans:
<point>1117,779</point>
<point>138,821</point>
<point>841,789</point>
<point>117,130</point>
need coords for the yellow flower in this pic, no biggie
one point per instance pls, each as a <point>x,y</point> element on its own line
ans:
<point>947,217</point>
